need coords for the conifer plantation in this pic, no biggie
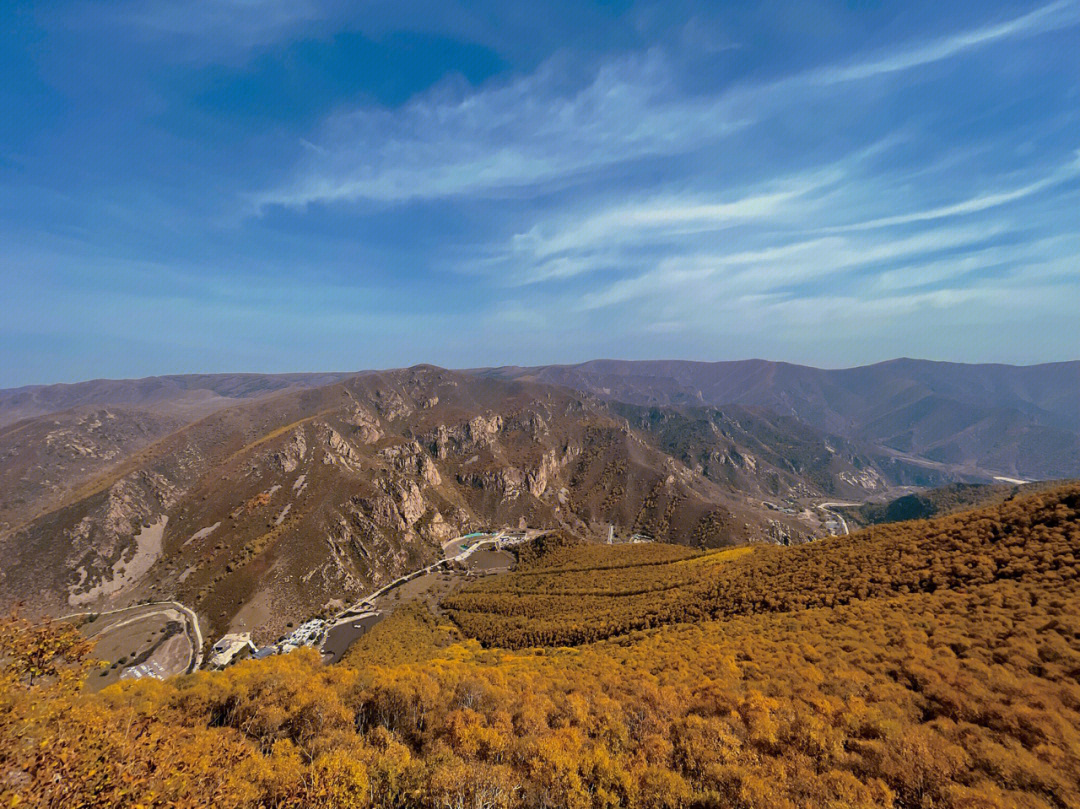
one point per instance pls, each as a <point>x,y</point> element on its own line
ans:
<point>923,664</point>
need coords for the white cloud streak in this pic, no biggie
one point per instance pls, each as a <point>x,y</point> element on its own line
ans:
<point>1050,17</point>
<point>662,218</point>
<point>975,204</point>
<point>501,138</point>
<point>764,271</point>
<point>530,133</point>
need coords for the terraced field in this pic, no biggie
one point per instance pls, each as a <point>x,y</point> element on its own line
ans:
<point>587,593</point>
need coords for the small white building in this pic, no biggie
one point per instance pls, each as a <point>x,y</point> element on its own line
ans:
<point>229,647</point>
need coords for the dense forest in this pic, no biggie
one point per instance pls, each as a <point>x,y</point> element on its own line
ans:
<point>927,664</point>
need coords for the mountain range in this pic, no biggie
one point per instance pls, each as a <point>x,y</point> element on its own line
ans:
<point>1019,421</point>
<point>261,499</point>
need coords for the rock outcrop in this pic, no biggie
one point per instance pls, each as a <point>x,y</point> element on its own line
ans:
<point>288,458</point>
<point>477,433</point>
<point>412,459</point>
<point>368,428</point>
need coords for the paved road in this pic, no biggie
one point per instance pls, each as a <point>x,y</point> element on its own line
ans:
<point>368,602</point>
<point>829,508</point>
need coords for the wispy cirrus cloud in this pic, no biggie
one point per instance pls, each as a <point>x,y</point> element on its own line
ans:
<point>1051,17</point>
<point>632,235</point>
<point>526,133</point>
<point>624,233</point>
<point>939,299</point>
<point>1041,261</point>
<point>665,217</point>
<point>976,204</point>
<point>767,270</point>
<point>778,275</point>
<point>535,131</point>
<point>765,240</point>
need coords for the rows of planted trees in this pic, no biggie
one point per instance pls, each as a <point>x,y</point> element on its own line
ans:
<point>944,675</point>
<point>1035,537</point>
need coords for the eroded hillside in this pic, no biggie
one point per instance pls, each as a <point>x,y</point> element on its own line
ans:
<point>291,504</point>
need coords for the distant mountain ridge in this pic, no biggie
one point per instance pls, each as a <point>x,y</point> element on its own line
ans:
<point>1011,420</point>
<point>958,421</point>
<point>200,393</point>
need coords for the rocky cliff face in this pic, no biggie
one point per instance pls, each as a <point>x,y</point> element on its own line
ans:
<point>276,508</point>
<point>923,422</point>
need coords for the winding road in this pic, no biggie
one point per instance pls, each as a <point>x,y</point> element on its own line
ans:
<point>828,507</point>
<point>192,630</point>
<point>367,603</point>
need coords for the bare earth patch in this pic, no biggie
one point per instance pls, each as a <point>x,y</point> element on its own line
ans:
<point>127,572</point>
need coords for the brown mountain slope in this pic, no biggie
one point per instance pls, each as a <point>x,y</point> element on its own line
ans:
<point>755,450</point>
<point>45,460</point>
<point>974,419</point>
<point>189,395</point>
<point>271,510</point>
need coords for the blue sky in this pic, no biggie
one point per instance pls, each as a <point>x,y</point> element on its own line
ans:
<point>289,185</point>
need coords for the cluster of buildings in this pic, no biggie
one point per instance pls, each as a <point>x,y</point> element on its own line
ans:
<point>511,538</point>
<point>151,668</point>
<point>238,645</point>
<point>309,633</point>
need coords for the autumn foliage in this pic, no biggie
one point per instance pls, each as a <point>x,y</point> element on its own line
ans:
<point>598,592</point>
<point>927,665</point>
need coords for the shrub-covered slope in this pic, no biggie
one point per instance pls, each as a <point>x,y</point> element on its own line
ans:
<point>1033,538</point>
<point>924,665</point>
